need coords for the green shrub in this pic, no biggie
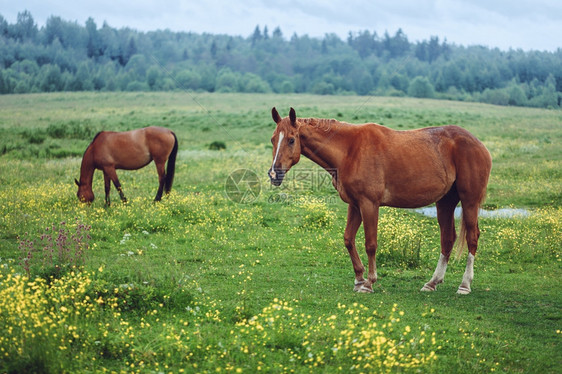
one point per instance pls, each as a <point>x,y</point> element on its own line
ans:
<point>217,146</point>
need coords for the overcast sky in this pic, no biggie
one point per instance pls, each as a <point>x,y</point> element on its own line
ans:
<point>525,24</point>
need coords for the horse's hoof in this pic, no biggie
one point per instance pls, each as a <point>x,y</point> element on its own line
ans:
<point>428,288</point>
<point>358,285</point>
<point>365,289</point>
<point>463,290</point>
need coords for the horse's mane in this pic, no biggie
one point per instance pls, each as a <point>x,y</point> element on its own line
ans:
<point>95,137</point>
<point>325,124</point>
<point>92,142</point>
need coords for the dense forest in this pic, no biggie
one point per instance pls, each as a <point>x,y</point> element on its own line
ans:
<point>66,56</point>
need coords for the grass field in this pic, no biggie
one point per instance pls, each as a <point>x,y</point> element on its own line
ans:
<point>202,282</point>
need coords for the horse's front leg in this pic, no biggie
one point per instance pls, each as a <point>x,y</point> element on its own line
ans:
<point>353,223</point>
<point>370,215</point>
<point>107,183</point>
<point>112,175</point>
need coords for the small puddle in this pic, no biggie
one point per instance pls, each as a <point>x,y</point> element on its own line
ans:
<point>431,211</point>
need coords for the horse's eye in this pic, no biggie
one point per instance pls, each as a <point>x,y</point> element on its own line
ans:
<point>291,141</point>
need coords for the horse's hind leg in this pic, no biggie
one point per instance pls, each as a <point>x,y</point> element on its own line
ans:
<point>161,179</point>
<point>473,165</point>
<point>470,223</point>
<point>446,218</point>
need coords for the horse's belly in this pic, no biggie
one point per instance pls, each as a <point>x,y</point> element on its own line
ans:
<point>131,165</point>
<point>408,202</point>
<point>415,196</point>
<point>133,161</point>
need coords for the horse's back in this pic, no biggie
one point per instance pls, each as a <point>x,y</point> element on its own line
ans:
<point>157,131</point>
<point>450,142</point>
<point>461,146</point>
<point>416,167</point>
<point>132,149</point>
<point>469,156</point>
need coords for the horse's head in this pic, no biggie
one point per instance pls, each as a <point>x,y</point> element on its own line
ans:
<point>286,146</point>
<point>85,193</point>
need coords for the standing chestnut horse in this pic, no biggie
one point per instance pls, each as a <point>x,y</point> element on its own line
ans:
<point>129,150</point>
<point>375,166</point>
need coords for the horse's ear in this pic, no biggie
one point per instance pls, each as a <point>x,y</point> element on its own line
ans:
<point>76,181</point>
<point>275,115</point>
<point>293,117</point>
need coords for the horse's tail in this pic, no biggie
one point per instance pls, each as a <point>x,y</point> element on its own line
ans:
<point>461,241</point>
<point>171,168</point>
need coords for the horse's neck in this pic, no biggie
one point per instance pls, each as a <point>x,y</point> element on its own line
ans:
<point>87,167</point>
<point>322,142</point>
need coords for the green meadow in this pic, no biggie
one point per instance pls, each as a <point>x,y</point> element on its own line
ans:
<point>229,274</point>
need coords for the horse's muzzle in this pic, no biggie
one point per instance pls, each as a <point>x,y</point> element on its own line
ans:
<point>276,176</point>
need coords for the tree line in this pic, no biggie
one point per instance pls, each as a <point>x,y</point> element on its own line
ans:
<point>67,56</point>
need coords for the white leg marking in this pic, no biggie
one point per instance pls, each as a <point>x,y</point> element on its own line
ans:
<point>438,275</point>
<point>358,283</point>
<point>366,286</point>
<point>272,173</point>
<point>464,288</point>
<point>364,289</point>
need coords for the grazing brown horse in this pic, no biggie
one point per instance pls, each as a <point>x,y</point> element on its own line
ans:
<point>129,150</point>
<point>374,166</point>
